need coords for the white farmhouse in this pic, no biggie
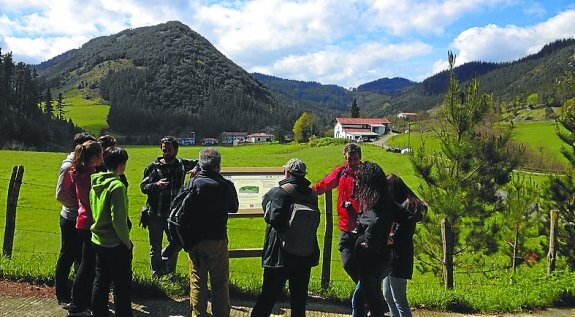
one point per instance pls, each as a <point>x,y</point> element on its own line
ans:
<point>356,129</point>
<point>260,137</point>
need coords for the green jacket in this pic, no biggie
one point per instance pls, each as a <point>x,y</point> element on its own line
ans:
<point>109,202</point>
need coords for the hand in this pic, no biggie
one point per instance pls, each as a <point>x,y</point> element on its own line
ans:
<point>130,245</point>
<point>194,171</point>
<point>163,183</point>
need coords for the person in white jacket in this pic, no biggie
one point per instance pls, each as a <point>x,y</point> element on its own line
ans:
<point>71,248</point>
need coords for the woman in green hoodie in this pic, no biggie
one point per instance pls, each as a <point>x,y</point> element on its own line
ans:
<point>111,236</point>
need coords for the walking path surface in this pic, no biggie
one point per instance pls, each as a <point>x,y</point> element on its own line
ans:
<point>11,305</point>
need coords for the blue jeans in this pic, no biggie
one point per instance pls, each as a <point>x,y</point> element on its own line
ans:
<point>358,308</point>
<point>395,293</point>
<point>162,261</point>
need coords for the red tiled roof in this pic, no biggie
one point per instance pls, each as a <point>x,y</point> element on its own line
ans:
<point>363,121</point>
<point>259,134</point>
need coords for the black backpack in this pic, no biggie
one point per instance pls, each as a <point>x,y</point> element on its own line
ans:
<point>182,222</point>
<point>299,237</point>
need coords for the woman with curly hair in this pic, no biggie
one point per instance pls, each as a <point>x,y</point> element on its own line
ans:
<point>378,212</point>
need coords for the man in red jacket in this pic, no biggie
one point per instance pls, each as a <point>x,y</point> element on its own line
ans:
<point>343,177</point>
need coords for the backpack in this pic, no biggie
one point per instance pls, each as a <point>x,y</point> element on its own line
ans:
<point>182,227</point>
<point>299,236</point>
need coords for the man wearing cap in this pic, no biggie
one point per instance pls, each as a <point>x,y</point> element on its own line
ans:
<point>279,265</point>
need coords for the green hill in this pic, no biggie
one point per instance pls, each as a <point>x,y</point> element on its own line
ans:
<point>166,79</point>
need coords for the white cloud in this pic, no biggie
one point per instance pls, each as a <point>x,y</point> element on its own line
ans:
<point>497,44</point>
<point>348,68</point>
<point>43,46</point>
<point>402,17</point>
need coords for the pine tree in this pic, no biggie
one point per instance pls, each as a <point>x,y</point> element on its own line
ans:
<point>48,107</point>
<point>60,106</point>
<point>462,178</point>
<point>560,191</point>
<point>354,109</point>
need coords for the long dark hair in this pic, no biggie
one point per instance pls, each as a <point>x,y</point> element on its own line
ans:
<point>403,195</point>
<point>371,186</point>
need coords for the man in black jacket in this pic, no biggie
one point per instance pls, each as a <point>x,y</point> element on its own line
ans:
<point>216,196</point>
<point>162,181</point>
<point>279,265</point>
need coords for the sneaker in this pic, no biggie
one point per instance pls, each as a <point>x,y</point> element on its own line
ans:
<point>63,304</point>
<point>85,313</point>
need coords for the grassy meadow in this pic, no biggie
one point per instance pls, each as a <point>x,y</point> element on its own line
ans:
<point>37,238</point>
<point>88,114</point>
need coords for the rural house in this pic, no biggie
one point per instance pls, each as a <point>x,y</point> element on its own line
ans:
<point>356,129</point>
<point>233,137</point>
<point>260,137</point>
<point>406,115</point>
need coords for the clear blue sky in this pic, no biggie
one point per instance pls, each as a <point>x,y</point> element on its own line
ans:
<point>346,43</point>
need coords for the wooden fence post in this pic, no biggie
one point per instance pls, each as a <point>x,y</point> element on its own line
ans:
<point>11,203</point>
<point>551,255</point>
<point>327,242</point>
<point>447,237</point>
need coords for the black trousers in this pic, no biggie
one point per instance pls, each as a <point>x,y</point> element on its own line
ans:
<point>70,253</point>
<point>274,282</point>
<point>346,249</point>
<point>82,289</point>
<point>113,265</point>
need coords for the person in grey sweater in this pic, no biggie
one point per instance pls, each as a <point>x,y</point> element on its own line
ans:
<point>71,248</point>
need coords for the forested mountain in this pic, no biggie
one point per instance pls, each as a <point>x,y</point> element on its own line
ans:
<point>168,79</point>
<point>541,74</point>
<point>387,86</point>
<point>332,96</point>
<point>24,124</point>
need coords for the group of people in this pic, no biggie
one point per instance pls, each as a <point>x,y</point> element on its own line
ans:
<point>377,216</point>
<point>95,228</point>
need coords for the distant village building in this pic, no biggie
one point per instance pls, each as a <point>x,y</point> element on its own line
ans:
<point>233,137</point>
<point>191,140</point>
<point>364,129</point>
<point>209,141</point>
<point>406,115</point>
<point>259,137</point>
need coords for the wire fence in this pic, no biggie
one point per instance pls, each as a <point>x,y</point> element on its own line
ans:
<point>31,206</point>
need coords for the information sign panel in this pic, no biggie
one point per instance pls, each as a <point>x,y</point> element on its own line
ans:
<point>252,183</point>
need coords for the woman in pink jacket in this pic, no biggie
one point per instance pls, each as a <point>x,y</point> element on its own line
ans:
<point>87,157</point>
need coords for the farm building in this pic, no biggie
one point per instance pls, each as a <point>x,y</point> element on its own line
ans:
<point>360,129</point>
<point>231,137</point>
<point>260,137</point>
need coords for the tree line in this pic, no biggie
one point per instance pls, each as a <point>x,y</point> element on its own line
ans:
<point>24,123</point>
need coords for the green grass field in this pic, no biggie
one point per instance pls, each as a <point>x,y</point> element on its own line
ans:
<point>37,235</point>
<point>88,114</point>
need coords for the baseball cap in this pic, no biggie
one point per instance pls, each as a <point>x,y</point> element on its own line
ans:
<point>295,167</point>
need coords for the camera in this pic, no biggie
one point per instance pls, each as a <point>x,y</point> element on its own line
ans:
<point>346,204</point>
